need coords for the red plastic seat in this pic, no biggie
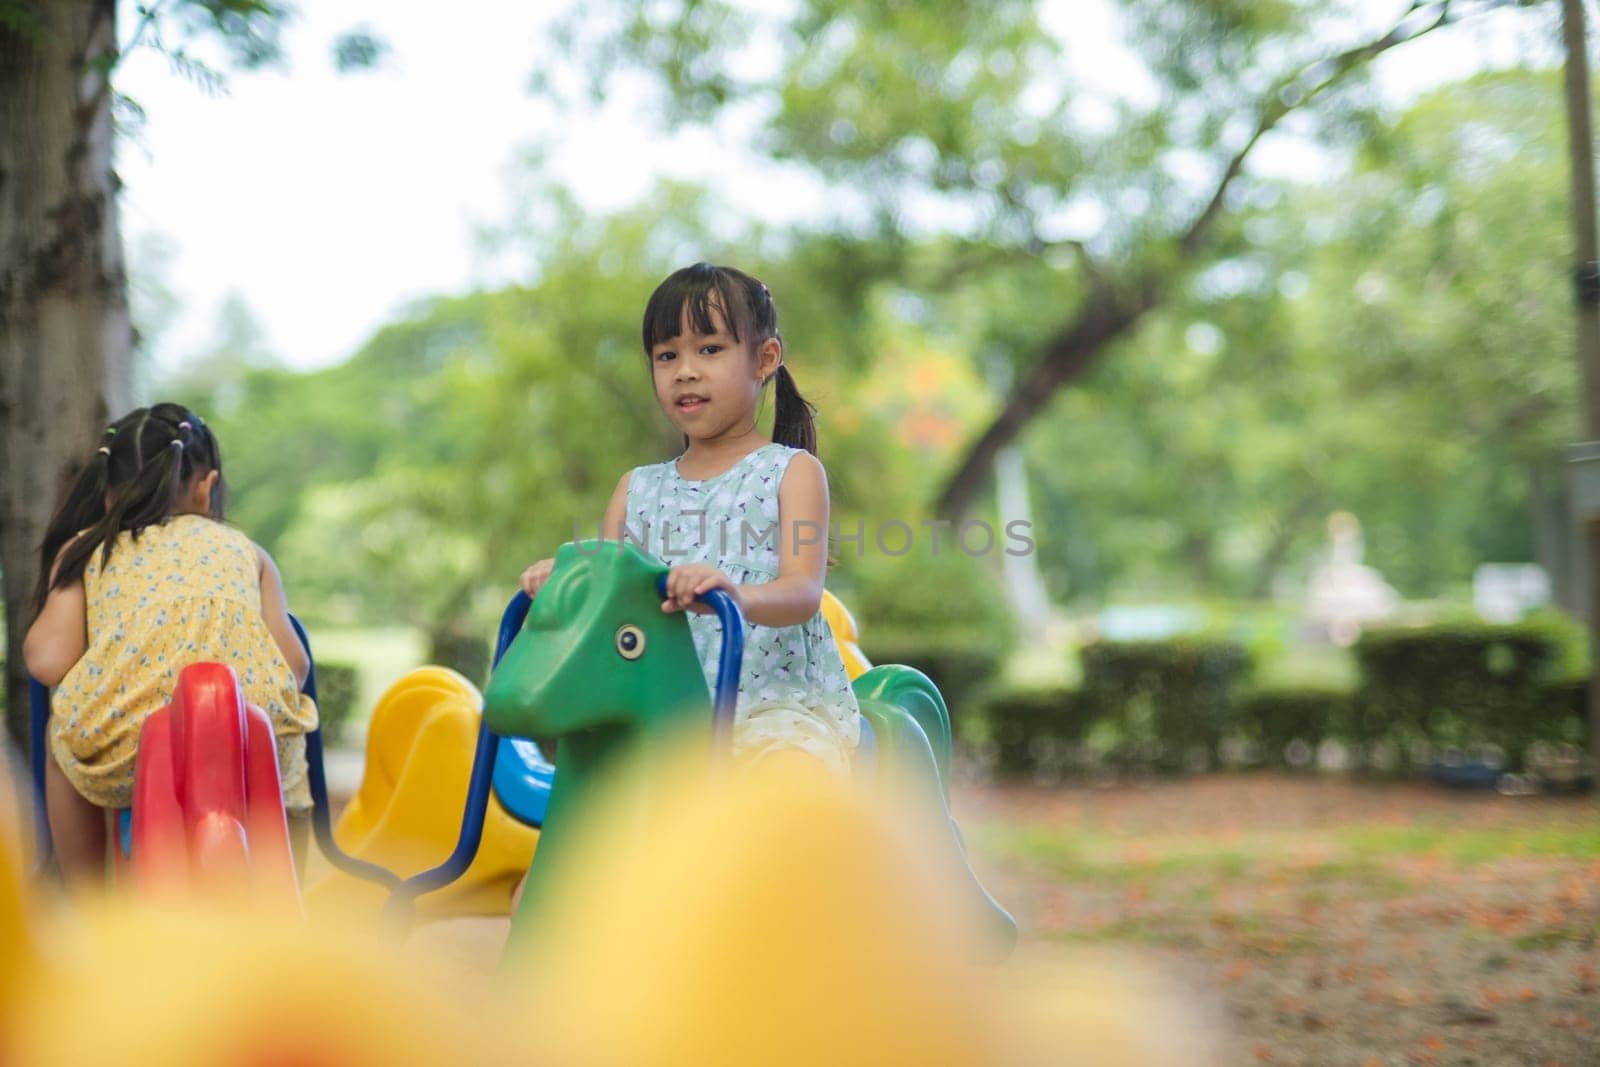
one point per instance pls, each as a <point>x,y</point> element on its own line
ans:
<point>207,800</point>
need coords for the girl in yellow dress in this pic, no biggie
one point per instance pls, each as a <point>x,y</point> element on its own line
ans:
<point>139,578</point>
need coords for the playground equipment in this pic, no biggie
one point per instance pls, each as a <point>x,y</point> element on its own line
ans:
<point>420,744</point>
<point>597,666</point>
<point>406,813</point>
<point>845,635</point>
<point>601,668</point>
<point>207,800</point>
<point>205,804</point>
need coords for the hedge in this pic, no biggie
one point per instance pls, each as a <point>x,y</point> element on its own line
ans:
<point>465,653</point>
<point>1460,685</point>
<point>1172,699</point>
<point>336,698</point>
<point>961,666</point>
<point>1274,717</point>
<point>1035,728</point>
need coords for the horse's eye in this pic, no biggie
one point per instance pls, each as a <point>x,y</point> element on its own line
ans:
<point>630,641</point>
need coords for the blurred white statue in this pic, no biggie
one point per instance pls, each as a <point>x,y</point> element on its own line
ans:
<point>1344,594</point>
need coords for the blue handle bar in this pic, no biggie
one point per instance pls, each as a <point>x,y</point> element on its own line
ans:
<point>729,662</point>
<point>321,812</point>
<point>39,706</point>
<point>479,786</point>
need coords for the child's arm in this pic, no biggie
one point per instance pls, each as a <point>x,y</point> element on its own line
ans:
<point>795,595</point>
<point>535,576</point>
<point>59,637</point>
<point>275,610</point>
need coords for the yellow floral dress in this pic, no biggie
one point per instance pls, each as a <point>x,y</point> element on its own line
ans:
<point>185,591</point>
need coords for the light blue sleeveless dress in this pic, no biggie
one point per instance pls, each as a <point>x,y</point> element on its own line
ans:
<point>793,689</point>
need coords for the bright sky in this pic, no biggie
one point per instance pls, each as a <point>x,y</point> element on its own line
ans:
<point>328,202</point>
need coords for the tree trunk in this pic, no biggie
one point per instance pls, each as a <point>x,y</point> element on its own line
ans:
<point>1555,544</point>
<point>1284,532</point>
<point>1103,318</point>
<point>1580,143</point>
<point>65,336</point>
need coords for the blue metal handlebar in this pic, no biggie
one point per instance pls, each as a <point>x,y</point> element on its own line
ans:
<point>479,786</point>
<point>39,705</point>
<point>729,662</point>
<point>321,812</point>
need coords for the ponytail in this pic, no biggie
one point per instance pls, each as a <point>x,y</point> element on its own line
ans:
<point>793,419</point>
<point>83,507</point>
<point>132,481</point>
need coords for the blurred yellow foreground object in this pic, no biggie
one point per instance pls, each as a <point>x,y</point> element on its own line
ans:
<point>779,915</point>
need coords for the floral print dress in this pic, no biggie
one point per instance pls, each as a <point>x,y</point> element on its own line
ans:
<point>184,591</point>
<point>794,692</point>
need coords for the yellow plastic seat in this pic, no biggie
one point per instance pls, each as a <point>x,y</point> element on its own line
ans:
<point>845,635</point>
<point>407,813</point>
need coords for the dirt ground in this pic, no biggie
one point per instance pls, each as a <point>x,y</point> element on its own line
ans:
<point>1336,922</point>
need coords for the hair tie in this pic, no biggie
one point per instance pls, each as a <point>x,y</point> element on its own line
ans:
<point>178,442</point>
<point>111,431</point>
<point>104,451</point>
<point>185,426</point>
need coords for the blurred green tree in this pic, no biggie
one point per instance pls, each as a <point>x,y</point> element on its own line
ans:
<point>1394,341</point>
<point>968,120</point>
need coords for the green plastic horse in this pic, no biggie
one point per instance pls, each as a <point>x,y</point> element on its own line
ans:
<point>599,666</point>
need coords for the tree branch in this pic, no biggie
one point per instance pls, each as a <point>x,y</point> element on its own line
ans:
<point>1112,310</point>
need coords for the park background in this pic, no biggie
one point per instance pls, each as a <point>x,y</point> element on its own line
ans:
<point>1260,313</point>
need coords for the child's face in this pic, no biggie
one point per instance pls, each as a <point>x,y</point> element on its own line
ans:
<point>708,384</point>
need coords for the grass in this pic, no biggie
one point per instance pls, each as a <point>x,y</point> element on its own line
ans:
<point>1357,853</point>
<point>1090,856</point>
<point>1550,937</point>
<point>1335,922</point>
<point>1131,930</point>
<point>1475,845</point>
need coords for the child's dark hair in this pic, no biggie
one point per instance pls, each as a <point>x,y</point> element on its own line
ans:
<point>746,305</point>
<point>132,481</point>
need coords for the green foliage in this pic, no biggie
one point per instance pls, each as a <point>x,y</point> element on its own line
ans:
<point>945,589</point>
<point>1274,717</point>
<point>21,17</point>
<point>1291,360</point>
<point>1171,699</point>
<point>358,50</point>
<point>1396,342</point>
<point>418,479</point>
<point>248,31</point>
<point>1461,684</point>
<point>1392,340</point>
<point>1567,702</point>
<point>336,699</point>
<point>465,653</point>
<point>939,611</point>
<point>1030,728</point>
